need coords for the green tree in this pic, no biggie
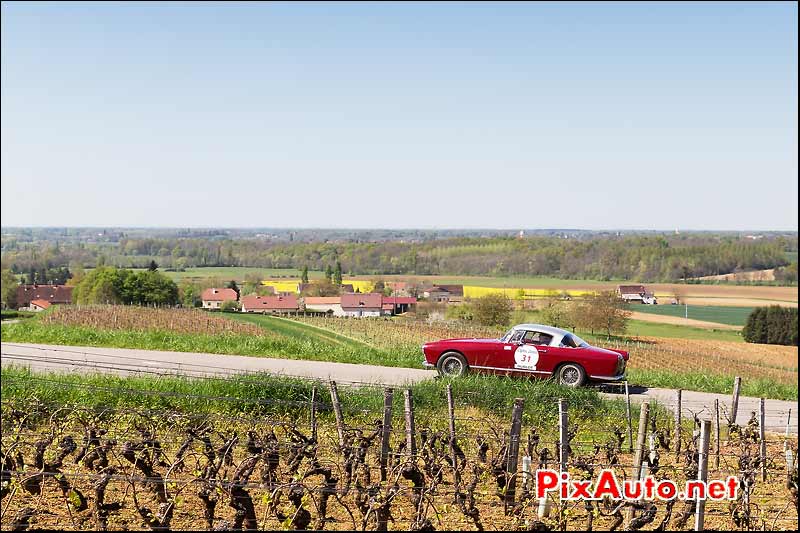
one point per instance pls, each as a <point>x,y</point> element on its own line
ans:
<point>492,310</point>
<point>231,305</point>
<point>10,282</point>
<point>557,313</point>
<point>608,312</point>
<point>108,285</point>
<point>321,287</point>
<point>329,274</point>
<point>232,285</point>
<point>337,274</point>
<point>252,283</point>
<point>772,325</point>
<point>583,316</point>
<point>189,294</point>
<point>304,275</point>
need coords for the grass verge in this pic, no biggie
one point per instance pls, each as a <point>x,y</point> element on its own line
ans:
<point>263,394</point>
<point>696,381</point>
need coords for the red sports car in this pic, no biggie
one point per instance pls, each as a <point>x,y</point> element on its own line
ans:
<point>530,350</point>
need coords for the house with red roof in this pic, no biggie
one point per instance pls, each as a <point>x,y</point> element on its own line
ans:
<point>213,298</point>
<point>362,304</point>
<point>52,294</point>
<point>399,304</point>
<point>326,304</point>
<point>636,293</point>
<point>270,304</point>
<point>39,305</point>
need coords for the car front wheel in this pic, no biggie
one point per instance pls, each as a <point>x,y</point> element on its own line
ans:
<point>571,375</point>
<point>452,365</point>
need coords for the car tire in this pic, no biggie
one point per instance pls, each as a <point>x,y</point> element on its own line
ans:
<point>452,365</point>
<point>571,375</point>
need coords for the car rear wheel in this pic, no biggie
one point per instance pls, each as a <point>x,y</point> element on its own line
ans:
<point>452,365</point>
<point>571,375</point>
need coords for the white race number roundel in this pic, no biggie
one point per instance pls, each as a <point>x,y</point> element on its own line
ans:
<point>526,357</point>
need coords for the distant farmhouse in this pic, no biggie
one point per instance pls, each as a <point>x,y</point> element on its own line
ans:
<point>42,294</point>
<point>361,305</point>
<point>636,294</point>
<point>39,305</point>
<point>213,298</point>
<point>325,304</point>
<point>453,294</point>
<point>270,304</point>
<point>398,304</point>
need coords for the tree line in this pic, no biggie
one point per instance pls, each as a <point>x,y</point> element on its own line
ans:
<point>630,257</point>
<point>110,285</point>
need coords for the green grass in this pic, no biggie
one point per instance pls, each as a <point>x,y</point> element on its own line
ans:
<point>8,314</point>
<point>297,330</point>
<point>757,388</point>
<point>263,394</point>
<point>735,316</point>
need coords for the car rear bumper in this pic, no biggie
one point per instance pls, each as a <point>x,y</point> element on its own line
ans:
<point>618,377</point>
<point>426,364</point>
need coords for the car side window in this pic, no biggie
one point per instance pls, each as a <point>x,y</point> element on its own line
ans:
<point>517,336</point>
<point>538,338</point>
<point>569,342</point>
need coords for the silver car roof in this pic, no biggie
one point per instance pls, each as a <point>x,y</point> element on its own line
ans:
<point>541,327</point>
<point>557,333</point>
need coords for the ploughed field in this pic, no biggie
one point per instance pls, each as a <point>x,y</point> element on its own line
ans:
<point>696,364</point>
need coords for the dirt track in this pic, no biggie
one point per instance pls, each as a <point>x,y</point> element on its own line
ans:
<point>666,319</point>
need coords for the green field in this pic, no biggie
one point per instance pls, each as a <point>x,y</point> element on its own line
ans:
<point>640,328</point>
<point>236,273</point>
<point>735,316</point>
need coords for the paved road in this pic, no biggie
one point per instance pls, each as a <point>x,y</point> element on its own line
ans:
<point>40,357</point>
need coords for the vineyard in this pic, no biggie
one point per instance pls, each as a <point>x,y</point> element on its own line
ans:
<point>126,317</point>
<point>321,462</point>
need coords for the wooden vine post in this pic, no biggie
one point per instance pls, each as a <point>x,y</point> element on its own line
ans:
<point>337,411</point>
<point>513,452</point>
<point>388,398</point>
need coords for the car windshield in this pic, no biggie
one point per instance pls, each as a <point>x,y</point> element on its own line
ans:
<point>507,336</point>
<point>573,341</point>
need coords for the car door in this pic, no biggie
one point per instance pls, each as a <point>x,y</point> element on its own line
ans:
<point>534,354</point>
<point>501,354</point>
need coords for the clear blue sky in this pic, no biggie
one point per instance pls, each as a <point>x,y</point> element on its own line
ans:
<point>580,115</point>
